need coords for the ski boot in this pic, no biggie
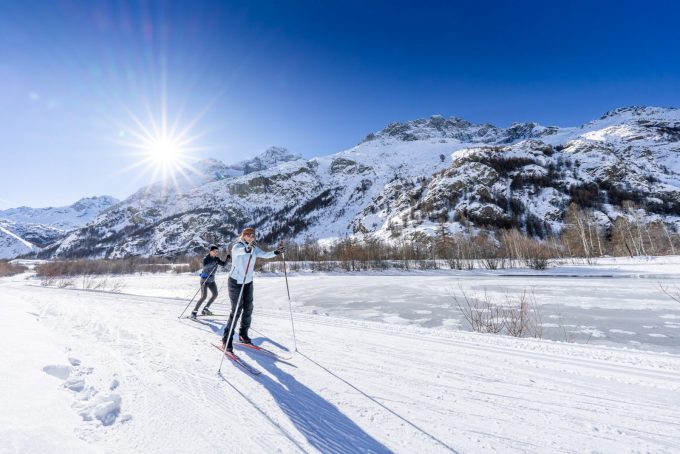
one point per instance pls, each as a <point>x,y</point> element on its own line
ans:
<point>193,315</point>
<point>206,311</point>
<point>243,337</point>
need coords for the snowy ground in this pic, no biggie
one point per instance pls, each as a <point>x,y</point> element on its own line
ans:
<point>615,302</point>
<point>89,371</point>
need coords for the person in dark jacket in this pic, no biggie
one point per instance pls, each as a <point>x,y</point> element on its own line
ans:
<point>245,252</point>
<point>210,264</point>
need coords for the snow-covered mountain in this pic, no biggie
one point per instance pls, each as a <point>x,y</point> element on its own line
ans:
<point>12,245</point>
<point>65,218</point>
<point>25,229</point>
<point>208,170</point>
<point>271,157</point>
<point>413,177</point>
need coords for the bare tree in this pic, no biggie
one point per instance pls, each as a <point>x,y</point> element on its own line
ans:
<point>517,316</point>
<point>581,233</point>
<point>668,235</point>
<point>523,316</point>
<point>481,314</point>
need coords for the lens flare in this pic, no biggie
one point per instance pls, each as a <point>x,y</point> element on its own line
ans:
<point>163,153</point>
<point>165,148</point>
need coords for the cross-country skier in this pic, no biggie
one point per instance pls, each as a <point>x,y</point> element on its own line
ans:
<point>210,263</point>
<point>244,253</point>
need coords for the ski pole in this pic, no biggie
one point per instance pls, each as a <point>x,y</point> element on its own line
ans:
<point>238,304</point>
<point>199,289</point>
<point>290,305</point>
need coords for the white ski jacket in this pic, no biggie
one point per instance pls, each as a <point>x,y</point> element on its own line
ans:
<point>239,260</point>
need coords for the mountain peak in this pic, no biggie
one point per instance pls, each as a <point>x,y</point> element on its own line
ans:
<point>96,202</point>
<point>638,111</point>
<point>271,157</point>
<point>425,128</point>
<point>455,128</point>
<point>23,229</point>
<point>211,169</point>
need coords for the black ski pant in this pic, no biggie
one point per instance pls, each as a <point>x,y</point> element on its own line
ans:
<point>245,307</point>
<point>204,292</point>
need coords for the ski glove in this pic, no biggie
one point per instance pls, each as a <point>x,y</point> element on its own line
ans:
<point>250,246</point>
<point>280,250</point>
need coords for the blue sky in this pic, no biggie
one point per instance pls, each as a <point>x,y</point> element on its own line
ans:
<point>313,76</point>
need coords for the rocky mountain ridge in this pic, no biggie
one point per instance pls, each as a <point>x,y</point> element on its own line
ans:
<point>24,229</point>
<point>414,178</point>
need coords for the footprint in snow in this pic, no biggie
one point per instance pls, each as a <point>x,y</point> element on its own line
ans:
<point>104,408</point>
<point>91,404</point>
<point>76,384</point>
<point>59,371</point>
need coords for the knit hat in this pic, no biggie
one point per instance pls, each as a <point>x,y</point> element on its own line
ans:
<point>213,247</point>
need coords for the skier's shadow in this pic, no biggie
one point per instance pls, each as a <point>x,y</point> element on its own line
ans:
<point>217,327</point>
<point>324,426</point>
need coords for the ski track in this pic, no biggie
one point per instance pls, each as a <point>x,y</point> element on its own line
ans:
<point>357,386</point>
<point>162,369</point>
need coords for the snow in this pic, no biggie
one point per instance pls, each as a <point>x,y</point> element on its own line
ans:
<point>64,218</point>
<point>381,181</point>
<point>12,245</point>
<point>93,371</point>
<point>25,243</point>
<point>45,225</point>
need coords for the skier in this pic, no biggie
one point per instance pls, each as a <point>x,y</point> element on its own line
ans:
<point>244,253</point>
<point>210,263</point>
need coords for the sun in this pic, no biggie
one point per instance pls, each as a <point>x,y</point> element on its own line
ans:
<point>166,152</point>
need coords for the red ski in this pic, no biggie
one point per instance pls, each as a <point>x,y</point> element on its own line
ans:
<point>238,361</point>
<point>264,351</point>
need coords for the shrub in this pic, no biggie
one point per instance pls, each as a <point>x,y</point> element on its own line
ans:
<point>9,269</point>
<point>517,316</point>
<point>86,267</point>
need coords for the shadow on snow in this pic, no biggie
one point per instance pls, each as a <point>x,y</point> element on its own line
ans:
<point>323,425</point>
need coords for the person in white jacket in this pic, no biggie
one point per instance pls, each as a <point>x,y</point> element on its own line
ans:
<point>243,256</point>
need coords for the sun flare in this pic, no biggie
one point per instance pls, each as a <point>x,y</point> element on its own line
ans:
<point>164,152</point>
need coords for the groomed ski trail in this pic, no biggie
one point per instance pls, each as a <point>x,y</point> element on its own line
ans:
<point>357,386</point>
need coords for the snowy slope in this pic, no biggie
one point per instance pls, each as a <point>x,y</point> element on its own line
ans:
<point>65,218</point>
<point>25,229</point>
<point>120,373</point>
<point>271,157</point>
<point>410,177</point>
<point>12,245</point>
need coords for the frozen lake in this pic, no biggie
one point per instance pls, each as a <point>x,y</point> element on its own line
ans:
<point>614,302</point>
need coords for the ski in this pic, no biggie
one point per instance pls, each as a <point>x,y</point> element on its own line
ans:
<point>201,317</point>
<point>265,351</point>
<point>238,361</point>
